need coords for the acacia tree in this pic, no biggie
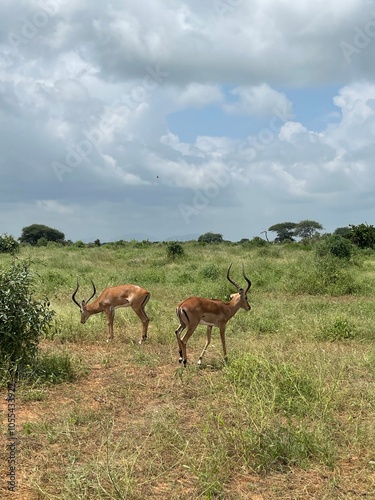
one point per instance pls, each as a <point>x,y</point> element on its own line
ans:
<point>284,231</point>
<point>32,234</point>
<point>210,238</point>
<point>307,229</point>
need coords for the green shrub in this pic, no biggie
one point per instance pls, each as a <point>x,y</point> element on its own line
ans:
<point>22,318</point>
<point>335,245</point>
<point>316,275</point>
<point>8,244</point>
<point>211,272</point>
<point>174,250</point>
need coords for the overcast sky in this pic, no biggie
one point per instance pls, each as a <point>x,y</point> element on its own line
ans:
<point>166,118</point>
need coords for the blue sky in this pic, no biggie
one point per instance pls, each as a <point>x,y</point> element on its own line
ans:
<point>312,106</point>
<point>169,119</point>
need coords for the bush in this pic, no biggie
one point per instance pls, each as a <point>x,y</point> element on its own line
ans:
<point>335,245</point>
<point>8,244</point>
<point>362,235</point>
<point>22,318</point>
<point>211,272</point>
<point>324,274</point>
<point>174,250</point>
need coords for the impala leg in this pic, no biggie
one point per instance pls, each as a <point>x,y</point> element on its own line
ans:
<point>138,308</point>
<point>222,336</point>
<point>110,318</point>
<point>144,318</point>
<point>209,330</point>
<point>184,340</point>
<point>180,329</point>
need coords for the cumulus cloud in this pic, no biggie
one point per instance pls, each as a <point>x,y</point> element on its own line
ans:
<point>88,92</point>
<point>258,100</point>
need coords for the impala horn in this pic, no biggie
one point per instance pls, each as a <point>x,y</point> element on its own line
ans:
<point>246,278</point>
<point>83,302</point>
<point>230,280</point>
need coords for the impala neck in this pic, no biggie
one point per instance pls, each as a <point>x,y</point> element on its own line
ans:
<point>94,307</point>
<point>234,304</point>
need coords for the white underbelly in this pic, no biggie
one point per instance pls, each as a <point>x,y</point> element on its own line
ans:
<point>203,322</point>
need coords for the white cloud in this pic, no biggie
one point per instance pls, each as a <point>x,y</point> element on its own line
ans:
<point>259,100</point>
<point>97,84</point>
<point>198,95</point>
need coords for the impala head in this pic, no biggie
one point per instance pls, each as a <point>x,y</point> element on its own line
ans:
<point>241,293</point>
<point>82,307</point>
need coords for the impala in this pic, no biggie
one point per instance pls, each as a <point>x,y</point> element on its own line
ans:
<point>196,311</point>
<point>110,299</point>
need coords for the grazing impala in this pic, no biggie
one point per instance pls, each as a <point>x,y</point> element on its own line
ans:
<point>196,311</point>
<point>110,299</point>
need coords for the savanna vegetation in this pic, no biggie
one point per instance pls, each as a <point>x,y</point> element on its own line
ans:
<point>291,415</point>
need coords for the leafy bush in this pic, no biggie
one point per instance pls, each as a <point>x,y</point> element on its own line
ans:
<point>321,275</point>
<point>211,272</point>
<point>362,235</point>
<point>22,318</point>
<point>334,245</point>
<point>174,250</point>
<point>8,244</point>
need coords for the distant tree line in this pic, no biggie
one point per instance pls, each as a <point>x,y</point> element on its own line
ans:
<point>362,236</point>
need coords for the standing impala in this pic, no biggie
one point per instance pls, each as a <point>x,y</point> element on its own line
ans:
<point>196,311</point>
<point>110,299</point>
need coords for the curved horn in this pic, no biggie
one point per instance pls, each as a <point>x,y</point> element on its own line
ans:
<point>246,278</point>
<point>230,280</point>
<point>74,295</point>
<point>94,292</point>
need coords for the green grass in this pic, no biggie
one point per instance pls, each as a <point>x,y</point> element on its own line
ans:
<point>292,410</point>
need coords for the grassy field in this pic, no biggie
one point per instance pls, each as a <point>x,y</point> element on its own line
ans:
<point>291,416</point>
